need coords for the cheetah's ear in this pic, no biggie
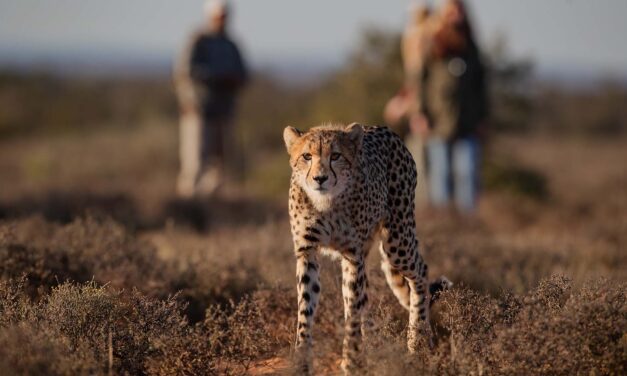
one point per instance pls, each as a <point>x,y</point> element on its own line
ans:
<point>355,133</point>
<point>290,135</point>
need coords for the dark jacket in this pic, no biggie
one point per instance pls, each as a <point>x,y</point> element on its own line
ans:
<point>211,72</point>
<point>454,97</point>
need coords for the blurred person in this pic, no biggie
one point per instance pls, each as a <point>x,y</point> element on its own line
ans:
<point>454,108</point>
<point>403,109</point>
<point>416,42</point>
<point>208,77</point>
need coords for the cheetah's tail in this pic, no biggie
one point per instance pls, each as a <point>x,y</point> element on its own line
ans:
<point>437,286</point>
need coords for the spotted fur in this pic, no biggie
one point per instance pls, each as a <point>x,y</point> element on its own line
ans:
<point>352,187</point>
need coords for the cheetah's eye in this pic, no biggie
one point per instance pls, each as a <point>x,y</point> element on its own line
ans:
<point>307,156</point>
<point>335,156</point>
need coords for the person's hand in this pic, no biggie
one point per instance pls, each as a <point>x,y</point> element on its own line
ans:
<point>188,107</point>
<point>419,124</point>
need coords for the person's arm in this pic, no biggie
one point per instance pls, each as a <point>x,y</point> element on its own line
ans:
<point>240,71</point>
<point>183,81</point>
<point>482,91</point>
<point>482,95</point>
<point>419,121</point>
<point>423,87</point>
<point>406,50</point>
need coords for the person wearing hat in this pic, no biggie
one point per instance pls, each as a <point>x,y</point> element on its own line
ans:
<point>208,75</point>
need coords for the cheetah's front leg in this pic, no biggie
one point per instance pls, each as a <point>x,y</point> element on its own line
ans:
<point>355,299</point>
<point>308,287</point>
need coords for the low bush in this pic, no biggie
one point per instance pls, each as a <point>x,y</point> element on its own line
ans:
<point>554,329</point>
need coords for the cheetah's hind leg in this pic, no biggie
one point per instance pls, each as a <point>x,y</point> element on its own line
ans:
<point>398,284</point>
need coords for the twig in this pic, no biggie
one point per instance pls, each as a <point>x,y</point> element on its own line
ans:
<point>110,353</point>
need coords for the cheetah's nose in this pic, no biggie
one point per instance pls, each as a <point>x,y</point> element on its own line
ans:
<point>321,179</point>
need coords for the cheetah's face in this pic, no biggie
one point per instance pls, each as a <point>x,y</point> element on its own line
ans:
<point>322,159</point>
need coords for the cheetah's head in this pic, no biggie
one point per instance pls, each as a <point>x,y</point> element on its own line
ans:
<point>323,159</point>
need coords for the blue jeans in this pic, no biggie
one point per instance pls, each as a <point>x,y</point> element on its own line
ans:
<point>453,167</point>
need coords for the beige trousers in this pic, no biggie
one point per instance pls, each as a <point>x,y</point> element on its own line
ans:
<point>415,144</point>
<point>203,145</point>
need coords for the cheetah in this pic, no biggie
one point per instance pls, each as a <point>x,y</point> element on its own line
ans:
<point>351,188</point>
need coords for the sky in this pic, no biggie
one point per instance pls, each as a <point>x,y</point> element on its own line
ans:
<point>570,35</point>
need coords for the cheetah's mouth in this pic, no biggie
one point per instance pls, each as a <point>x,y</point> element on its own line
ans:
<point>322,189</point>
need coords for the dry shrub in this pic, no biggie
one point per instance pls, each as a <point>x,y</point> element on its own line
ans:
<point>72,329</point>
<point>203,285</point>
<point>487,263</point>
<point>238,334</point>
<point>88,314</point>
<point>86,249</point>
<point>554,329</point>
<point>385,345</point>
<point>27,349</point>
<point>224,322</point>
<point>111,254</point>
<point>42,267</point>
<point>231,340</point>
<point>14,304</point>
<point>558,332</point>
<point>68,331</point>
<point>277,307</point>
<point>101,250</point>
<point>186,354</point>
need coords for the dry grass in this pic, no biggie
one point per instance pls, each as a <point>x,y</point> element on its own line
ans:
<point>207,287</point>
